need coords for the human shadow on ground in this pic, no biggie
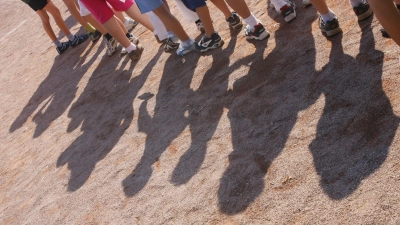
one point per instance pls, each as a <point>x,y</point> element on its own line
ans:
<point>263,108</point>
<point>167,122</point>
<point>358,125</point>
<point>104,111</point>
<point>57,90</point>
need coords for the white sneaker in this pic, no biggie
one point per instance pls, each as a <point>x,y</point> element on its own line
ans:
<point>129,24</point>
<point>111,46</point>
<point>181,51</point>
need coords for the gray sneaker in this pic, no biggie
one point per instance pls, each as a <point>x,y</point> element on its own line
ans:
<point>111,46</point>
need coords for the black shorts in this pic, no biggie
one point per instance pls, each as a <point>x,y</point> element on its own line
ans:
<point>37,4</point>
<point>193,4</point>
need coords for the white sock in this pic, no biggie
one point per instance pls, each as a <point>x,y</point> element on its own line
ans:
<point>355,3</point>
<point>329,16</point>
<point>130,48</point>
<point>71,37</point>
<point>57,43</point>
<point>278,4</point>
<point>187,43</point>
<point>252,21</point>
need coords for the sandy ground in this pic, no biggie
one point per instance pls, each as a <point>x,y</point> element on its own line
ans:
<point>296,129</point>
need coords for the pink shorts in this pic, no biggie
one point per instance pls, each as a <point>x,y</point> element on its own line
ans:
<point>102,12</point>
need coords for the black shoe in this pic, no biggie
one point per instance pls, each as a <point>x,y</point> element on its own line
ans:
<point>61,49</point>
<point>329,28</point>
<point>94,37</point>
<point>363,11</point>
<point>234,21</point>
<point>288,11</point>
<point>385,33</point>
<point>258,33</point>
<point>78,40</point>
<point>206,43</point>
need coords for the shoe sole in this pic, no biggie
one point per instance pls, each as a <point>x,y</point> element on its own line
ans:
<point>170,49</point>
<point>216,45</point>
<point>332,32</point>
<point>290,17</point>
<point>237,26</point>
<point>136,58</point>
<point>365,15</point>
<point>262,37</point>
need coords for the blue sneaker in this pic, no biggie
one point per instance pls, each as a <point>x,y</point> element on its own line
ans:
<point>78,40</point>
<point>61,49</point>
<point>181,51</point>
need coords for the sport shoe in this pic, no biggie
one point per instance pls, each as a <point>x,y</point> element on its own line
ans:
<point>200,26</point>
<point>288,11</point>
<point>135,54</point>
<point>129,24</point>
<point>363,11</point>
<point>134,41</point>
<point>111,46</point>
<point>234,21</point>
<point>181,51</point>
<point>306,3</point>
<point>259,32</point>
<point>206,43</point>
<point>94,37</point>
<point>170,45</point>
<point>61,49</point>
<point>78,40</point>
<point>160,41</point>
<point>329,28</point>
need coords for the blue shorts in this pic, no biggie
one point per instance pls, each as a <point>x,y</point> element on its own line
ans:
<point>146,6</point>
<point>193,4</point>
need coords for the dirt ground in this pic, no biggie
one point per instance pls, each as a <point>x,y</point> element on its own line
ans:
<point>296,129</point>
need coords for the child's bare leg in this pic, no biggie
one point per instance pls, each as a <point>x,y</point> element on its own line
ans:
<point>320,6</point>
<point>240,7</point>
<point>204,15</point>
<point>119,15</point>
<point>46,24</point>
<point>74,10</point>
<point>134,13</point>
<point>121,24</point>
<point>388,16</point>
<point>171,23</point>
<point>221,5</point>
<point>55,12</point>
<point>114,29</point>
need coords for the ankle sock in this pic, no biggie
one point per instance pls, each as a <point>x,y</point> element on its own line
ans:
<point>186,43</point>
<point>71,37</point>
<point>252,21</point>
<point>89,28</point>
<point>57,43</point>
<point>329,16</point>
<point>355,3</point>
<point>130,48</point>
<point>108,36</point>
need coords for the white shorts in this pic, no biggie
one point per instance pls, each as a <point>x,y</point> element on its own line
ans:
<point>82,8</point>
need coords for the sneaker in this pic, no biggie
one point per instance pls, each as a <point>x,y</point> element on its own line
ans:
<point>170,45</point>
<point>135,54</point>
<point>329,28</point>
<point>111,46</point>
<point>363,11</point>
<point>288,11</point>
<point>181,51</point>
<point>94,37</point>
<point>134,41</point>
<point>61,49</point>
<point>200,26</point>
<point>160,41</point>
<point>129,24</point>
<point>206,43</point>
<point>78,40</point>
<point>234,21</point>
<point>306,3</point>
<point>259,32</point>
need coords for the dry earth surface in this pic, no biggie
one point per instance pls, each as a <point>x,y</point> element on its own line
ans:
<point>296,129</point>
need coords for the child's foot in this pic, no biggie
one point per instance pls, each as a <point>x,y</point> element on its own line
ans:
<point>111,46</point>
<point>129,24</point>
<point>94,37</point>
<point>206,43</point>
<point>134,40</point>
<point>234,21</point>
<point>306,3</point>
<point>61,49</point>
<point>183,50</point>
<point>258,33</point>
<point>136,54</point>
<point>78,40</point>
<point>288,11</point>
<point>200,26</point>
<point>329,28</point>
<point>363,11</point>
<point>170,45</point>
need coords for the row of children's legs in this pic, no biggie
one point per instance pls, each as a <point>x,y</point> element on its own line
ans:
<point>104,18</point>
